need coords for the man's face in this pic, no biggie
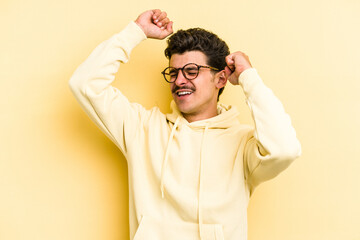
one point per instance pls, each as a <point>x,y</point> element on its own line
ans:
<point>202,100</point>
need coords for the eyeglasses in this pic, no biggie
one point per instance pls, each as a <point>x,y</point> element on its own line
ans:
<point>190,71</point>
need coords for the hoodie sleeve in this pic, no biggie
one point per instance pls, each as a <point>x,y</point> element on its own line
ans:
<point>273,144</point>
<point>91,85</point>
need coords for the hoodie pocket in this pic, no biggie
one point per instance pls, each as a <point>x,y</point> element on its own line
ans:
<point>153,229</point>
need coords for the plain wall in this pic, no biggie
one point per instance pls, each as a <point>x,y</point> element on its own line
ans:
<point>61,178</point>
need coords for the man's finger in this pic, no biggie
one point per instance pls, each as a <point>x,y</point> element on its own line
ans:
<point>167,30</point>
<point>156,14</point>
<point>169,27</point>
<point>230,63</point>
<point>162,16</point>
<point>228,72</point>
<point>230,57</point>
<point>163,22</point>
<point>160,20</point>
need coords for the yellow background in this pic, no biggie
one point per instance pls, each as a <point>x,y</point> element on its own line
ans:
<point>61,178</point>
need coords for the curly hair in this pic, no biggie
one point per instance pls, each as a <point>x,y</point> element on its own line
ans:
<point>198,39</point>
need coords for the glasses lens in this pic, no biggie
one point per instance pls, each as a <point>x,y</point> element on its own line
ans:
<point>191,71</point>
<point>170,74</point>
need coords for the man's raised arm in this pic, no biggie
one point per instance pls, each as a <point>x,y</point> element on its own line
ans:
<point>273,145</point>
<point>91,82</point>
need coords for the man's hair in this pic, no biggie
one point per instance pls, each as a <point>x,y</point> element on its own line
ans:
<point>198,39</point>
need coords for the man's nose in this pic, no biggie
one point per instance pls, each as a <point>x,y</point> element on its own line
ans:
<point>181,80</point>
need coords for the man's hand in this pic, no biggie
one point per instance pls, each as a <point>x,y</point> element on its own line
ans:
<point>237,62</point>
<point>155,24</point>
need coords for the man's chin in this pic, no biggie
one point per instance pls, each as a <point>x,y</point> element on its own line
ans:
<point>183,108</point>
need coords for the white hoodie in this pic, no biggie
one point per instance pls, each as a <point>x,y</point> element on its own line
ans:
<point>186,180</point>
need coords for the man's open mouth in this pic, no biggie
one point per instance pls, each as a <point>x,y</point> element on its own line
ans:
<point>183,93</point>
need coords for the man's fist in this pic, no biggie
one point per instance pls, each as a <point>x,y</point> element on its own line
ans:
<point>155,24</point>
<point>237,62</point>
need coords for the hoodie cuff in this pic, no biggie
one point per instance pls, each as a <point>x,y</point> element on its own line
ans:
<point>248,79</point>
<point>132,34</point>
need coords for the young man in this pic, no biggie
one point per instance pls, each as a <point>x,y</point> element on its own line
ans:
<point>191,172</point>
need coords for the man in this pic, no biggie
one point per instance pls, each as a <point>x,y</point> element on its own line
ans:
<point>191,172</point>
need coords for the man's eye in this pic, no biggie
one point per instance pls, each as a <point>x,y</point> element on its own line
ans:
<point>173,73</point>
<point>191,71</point>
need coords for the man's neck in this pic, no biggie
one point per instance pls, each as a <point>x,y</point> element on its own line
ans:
<point>200,116</point>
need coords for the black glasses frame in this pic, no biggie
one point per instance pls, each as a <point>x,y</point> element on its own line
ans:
<point>164,73</point>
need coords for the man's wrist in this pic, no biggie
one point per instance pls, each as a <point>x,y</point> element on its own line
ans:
<point>141,27</point>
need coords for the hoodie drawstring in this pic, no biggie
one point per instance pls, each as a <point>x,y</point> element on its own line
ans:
<point>167,156</point>
<point>201,174</point>
<point>201,182</point>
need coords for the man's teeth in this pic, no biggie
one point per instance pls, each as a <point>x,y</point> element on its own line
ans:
<point>183,93</point>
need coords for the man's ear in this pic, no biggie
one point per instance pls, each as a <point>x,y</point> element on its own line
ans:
<point>221,79</point>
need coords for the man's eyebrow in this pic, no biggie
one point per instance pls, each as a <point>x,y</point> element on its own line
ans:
<point>186,64</point>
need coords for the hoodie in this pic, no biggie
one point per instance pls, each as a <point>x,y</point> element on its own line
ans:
<point>186,180</point>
